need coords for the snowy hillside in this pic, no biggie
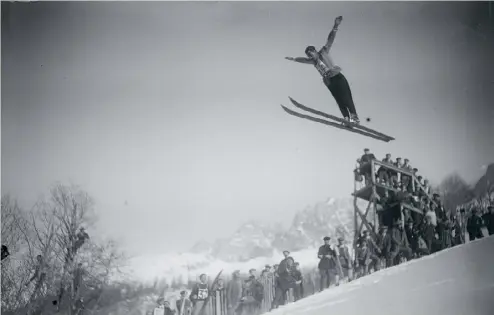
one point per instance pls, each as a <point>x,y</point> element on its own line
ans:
<point>456,281</point>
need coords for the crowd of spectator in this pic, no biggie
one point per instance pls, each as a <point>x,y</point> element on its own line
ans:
<point>422,228</point>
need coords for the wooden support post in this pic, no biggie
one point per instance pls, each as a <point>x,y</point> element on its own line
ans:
<point>402,216</point>
<point>374,193</point>
<point>364,221</point>
<point>355,217</point>
<point>360,226</point>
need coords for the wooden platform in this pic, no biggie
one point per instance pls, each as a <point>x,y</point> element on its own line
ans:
<point>366,194</point>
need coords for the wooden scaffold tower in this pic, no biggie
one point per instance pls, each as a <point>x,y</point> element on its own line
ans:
<point>383,197</point>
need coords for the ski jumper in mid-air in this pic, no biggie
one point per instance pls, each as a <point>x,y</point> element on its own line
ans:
<point>334,80</point>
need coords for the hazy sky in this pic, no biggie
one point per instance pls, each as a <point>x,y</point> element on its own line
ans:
<point>168,113</point>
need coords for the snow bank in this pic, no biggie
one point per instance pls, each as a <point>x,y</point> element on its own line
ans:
<point>457,281</point>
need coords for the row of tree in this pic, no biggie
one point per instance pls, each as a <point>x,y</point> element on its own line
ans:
<point>53,261</point>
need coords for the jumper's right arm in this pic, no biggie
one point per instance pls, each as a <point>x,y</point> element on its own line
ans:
<point>300,60</point>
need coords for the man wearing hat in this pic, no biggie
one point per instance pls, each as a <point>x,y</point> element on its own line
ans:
<point>399,244</point>
<point>327,264</point>
<point>234,292</point>
<point>474,225</point>
<point>383,173</point>
<point>374,250</point>
<point>365,169</point>
<point>394,177</point>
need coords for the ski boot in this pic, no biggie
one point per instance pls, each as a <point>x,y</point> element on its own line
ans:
<point>354,119</point>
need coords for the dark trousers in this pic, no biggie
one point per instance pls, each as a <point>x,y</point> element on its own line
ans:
<point>298,292</point>
<point>475,234</point>
<point>340,89</point>
<point>325,279</point>
<point>404,252</point>
<point>279,297</point>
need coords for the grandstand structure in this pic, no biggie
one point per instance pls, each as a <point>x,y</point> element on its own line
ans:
<point>375,193</point>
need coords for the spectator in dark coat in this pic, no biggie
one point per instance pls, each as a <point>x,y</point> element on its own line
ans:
<point>284,282</point>
<point>327,264</point>
<point>399,244</point>
<point>489,220</point>
<point>474,225</point>
<point>298,291</point>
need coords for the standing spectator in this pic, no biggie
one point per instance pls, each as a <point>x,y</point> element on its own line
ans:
<point>362,258</point>
<point>405,179</point>
<point>234,292</point>
<point>327,265</point>
<point>458,233</point>
<point>284,282</point>
<point>298,291</point>
<point>365,168</point>
<point>395,176</point>
<point>183,304</point>
<point>474,225</point>
<point>345,259</point>
<point>199,295</point>
<point>489,220</point>
<point>428,233</point>
<point>267,281</point>
<point>399,244</point>
<point>374,250</point>
<point>252,295</point>
<point>383,173</point>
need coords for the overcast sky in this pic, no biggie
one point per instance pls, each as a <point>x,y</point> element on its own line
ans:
<point>168,113</point>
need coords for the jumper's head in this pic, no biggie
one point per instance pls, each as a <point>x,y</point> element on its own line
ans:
<point>286,253</point>
<point>203,278</point>
<point>311,52</point>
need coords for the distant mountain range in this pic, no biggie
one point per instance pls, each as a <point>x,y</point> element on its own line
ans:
<point>333,217</point>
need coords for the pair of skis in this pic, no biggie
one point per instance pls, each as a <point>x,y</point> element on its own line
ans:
<point>334,121</point>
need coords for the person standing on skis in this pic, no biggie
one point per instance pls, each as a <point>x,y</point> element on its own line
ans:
<point>331,74</point>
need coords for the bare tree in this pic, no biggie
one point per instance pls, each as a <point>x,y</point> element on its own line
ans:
<point>455,191</point>
<point>74,266</point>
<point>15,271</point>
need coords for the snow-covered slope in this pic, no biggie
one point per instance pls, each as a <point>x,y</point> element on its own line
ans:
<point>457,281</point>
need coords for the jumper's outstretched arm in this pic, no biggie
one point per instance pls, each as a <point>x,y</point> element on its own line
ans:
<point>300,60</point>
<point>332,34</point>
